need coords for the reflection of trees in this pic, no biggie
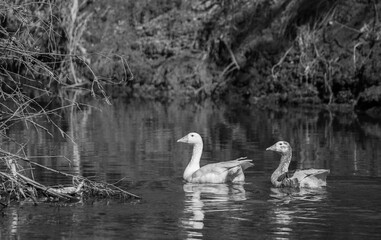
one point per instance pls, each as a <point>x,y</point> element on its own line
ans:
<point>203,198</point>
<point>136,139</point>
<point>44,139</point>
<point>322,139</point>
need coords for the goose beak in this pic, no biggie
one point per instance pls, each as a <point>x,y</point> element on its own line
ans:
<point>183,139</point>
<point>272,148</point>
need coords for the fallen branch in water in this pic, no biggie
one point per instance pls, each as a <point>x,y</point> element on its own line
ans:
<point>15,186</point>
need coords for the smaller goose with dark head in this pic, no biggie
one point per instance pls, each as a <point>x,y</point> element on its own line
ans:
<point>281,177</point>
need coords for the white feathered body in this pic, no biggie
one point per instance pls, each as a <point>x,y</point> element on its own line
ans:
<point>221,172</point>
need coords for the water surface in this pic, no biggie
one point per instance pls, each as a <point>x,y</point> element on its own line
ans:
<point>134,144</point>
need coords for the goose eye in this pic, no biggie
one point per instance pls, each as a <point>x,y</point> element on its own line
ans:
<point>192,135</point>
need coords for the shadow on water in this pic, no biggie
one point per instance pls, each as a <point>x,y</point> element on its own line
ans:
<point>134,144</point>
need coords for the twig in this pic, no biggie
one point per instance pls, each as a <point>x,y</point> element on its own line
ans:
<point>43,188</point>
<point>232,55</point>
<point>280,61</point>
<point>67,175</point>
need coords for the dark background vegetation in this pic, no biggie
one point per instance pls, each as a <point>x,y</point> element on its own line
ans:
<point>323,52</point>
<point>56,54</point>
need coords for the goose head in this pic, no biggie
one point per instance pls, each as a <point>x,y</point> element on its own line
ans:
<point>191,138</point>
<point>281,147</point>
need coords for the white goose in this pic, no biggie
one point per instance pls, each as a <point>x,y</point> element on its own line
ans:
<point>309,178</point>
<point>230,171</point>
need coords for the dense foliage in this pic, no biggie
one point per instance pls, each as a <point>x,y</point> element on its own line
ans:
<point>300,51</point>
<point>42,52</point>
<point>325,51</point>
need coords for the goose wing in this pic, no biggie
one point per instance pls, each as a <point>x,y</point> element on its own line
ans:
<point>304,178</point>
<point>243,162</point>
<point>286,175</point>
<point>222,171</point>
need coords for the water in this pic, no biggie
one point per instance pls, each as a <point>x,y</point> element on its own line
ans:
<point>134,144</point>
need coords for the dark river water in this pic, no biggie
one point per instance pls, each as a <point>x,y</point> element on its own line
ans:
<point>134,144</point>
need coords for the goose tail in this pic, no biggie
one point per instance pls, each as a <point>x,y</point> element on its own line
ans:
<point>313,178</point>
<point>244,162</point>
<point>321,174</point>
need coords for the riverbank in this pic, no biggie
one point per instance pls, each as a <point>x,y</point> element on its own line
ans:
<point>291,52</point>
<point>325,53</point>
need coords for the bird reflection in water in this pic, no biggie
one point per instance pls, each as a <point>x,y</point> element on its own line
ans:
<point>292,205</point>
<point>203,198</point>
<point>287,195</point>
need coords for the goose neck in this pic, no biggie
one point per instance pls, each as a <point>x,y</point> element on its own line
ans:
<point>282,168</point>
<point>196,154</point>
<point>285,162</point>
<point>194,163</point>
